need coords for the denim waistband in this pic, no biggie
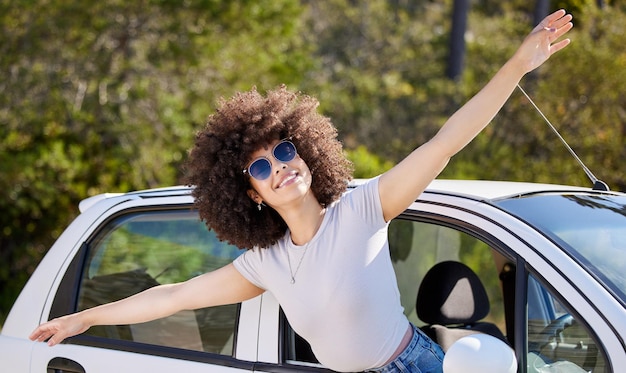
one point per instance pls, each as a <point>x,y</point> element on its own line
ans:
<point>420,355</point>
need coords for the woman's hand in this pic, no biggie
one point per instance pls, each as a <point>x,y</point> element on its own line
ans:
<point>56,330</point>
<point>542,42</point>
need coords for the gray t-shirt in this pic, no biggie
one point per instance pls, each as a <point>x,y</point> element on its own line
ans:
<point>345,300</point>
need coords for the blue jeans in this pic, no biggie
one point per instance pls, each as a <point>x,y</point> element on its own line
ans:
<point>422,355</point>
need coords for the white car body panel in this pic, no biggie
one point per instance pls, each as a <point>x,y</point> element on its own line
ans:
<point>589,297</point>
<point>258,329</point>
<point>101,360</point>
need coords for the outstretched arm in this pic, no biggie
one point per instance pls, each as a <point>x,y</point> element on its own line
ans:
<point>401,185</point>
<point>223,286</point>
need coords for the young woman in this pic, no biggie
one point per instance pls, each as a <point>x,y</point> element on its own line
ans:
<point>270,176</point>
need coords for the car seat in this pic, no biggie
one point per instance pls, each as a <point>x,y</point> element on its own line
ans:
<point>452,300</point>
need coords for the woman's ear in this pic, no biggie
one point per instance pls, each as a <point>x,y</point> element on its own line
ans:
<point>255,196</point>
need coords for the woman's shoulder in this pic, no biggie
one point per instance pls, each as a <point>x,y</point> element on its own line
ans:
<point>361,189</point>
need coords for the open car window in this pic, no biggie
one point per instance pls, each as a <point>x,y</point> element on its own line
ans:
<point>139,250</point>
<point>415,247</point>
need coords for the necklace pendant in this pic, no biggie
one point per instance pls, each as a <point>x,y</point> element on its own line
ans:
<point>293,281</point>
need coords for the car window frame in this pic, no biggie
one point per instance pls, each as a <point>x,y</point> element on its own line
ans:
<point>520,338</point>
<point>65,301</point>
<point>555,294</point>
<point>415,216</point>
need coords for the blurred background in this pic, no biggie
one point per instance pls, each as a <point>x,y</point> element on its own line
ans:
<point>105,96</point>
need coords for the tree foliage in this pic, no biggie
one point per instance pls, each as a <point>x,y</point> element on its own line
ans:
<point>106,96</point>
<point>580,90</point>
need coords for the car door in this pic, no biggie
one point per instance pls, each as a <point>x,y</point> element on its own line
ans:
<point>535,290</point>
<point>137,245</point>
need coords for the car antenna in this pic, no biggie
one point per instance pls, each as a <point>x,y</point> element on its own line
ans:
<point>597,183</point>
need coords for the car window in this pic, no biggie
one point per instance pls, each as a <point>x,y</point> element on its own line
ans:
<point>139,250</point>
<point>557,340</point>
<point>415,247</point>
<point>590,227</point>
<point>296,349</point>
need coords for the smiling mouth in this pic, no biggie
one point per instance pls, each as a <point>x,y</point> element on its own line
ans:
<point>289,178</point>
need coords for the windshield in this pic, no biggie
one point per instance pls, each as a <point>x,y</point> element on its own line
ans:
<point>591,227</point>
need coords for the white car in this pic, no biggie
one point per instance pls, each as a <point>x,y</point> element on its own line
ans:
<point>541,267</point>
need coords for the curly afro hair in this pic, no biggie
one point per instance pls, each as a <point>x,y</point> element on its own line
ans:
<point>239,127</point>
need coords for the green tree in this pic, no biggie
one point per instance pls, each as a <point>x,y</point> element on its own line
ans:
<point>382,81</point>
<point>367,164</point>
<point>382,73</point>
<point>106,96</point>
<point>580,90</point>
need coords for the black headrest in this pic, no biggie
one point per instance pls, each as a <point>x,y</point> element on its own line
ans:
<point>451,293</point>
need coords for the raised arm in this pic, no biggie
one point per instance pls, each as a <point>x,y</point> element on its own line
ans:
<point>223,286</point>
<point>401,185</point>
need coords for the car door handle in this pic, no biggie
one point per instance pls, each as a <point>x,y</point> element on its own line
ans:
<point>64,365</point>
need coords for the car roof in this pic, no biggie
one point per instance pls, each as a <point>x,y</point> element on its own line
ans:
<point>473,189</point>
<point>491,190</point>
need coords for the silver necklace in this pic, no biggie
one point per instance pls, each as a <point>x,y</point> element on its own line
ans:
<point>293,274</point>
<point>306,246</point>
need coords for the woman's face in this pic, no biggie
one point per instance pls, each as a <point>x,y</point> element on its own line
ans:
<point>288,181</point>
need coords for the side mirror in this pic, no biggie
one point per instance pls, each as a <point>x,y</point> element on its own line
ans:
<point>479,353</point>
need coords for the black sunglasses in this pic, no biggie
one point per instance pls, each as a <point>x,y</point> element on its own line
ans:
<point>261,168</point>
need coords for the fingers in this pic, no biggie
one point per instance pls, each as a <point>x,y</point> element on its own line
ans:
<point>558,23</point>
<point>55,339</point>
<point>41,334</point>
<point>556,19</point>
<point>558,46</point>
<point>37,334</point>
<point>543,41</point>
<point>48,332</point>
<point>553,27</point>
<point>560,28</point>
<point>556,30</point>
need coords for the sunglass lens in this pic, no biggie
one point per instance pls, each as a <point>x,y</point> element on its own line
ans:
<point>260,169</point>
<point>285,151</point>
